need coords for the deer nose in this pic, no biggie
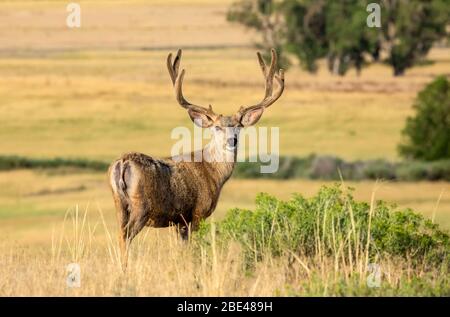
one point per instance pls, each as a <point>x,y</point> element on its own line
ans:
<point>232,142</point>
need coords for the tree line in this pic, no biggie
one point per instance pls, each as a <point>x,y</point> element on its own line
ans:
<point>339,31</point>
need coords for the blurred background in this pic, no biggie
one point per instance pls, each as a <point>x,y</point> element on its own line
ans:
<point>74,99</point>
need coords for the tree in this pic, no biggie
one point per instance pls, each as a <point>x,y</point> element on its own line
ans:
<point>409,29</point>
<point>305,31</point>
<point>338,30</point>
<point>263,16</point>
<point>427,133</point>
<point>335,30</point>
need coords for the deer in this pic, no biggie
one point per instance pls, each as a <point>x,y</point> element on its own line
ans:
<point>175,191</point>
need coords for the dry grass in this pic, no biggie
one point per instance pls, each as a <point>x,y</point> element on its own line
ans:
<point>32,202</point>
<point>103,90</point>
<point>97,92</point>
<point>99,104</point>
<point>162,265</point>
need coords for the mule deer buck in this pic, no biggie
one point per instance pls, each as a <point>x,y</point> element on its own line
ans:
<point>159,192</point>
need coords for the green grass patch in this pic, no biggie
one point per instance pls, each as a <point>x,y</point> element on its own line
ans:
<point>18,162</point>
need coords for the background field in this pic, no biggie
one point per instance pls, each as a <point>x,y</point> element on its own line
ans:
<point>102,90</point>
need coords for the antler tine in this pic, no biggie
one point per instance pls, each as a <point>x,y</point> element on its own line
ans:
<point>179,91</point>
<point>268,73</point>
<point>173,67</point>
<point>270,96</point>
<point>177,81</point>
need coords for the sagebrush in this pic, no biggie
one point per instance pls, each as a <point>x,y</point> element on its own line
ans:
<point>333,224</point>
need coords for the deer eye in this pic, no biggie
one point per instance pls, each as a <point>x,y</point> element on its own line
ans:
<point>218,128</point>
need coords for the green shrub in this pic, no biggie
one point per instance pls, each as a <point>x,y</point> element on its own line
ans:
<point>290,167</point>
<point>379,169</point>
<point>18,162</point>
<point>329,221</point>
<point>428,132</point>
<point>413,171</point>
<point>416,171</point>
<point>325,167</point>
<point>439,170</point>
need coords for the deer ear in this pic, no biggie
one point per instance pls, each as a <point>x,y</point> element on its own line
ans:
<point>200,119</point>
<point>252,116</point>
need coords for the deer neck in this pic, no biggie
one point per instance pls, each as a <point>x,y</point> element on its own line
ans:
<point>219,163</point>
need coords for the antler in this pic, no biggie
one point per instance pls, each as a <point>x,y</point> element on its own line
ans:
<point>177,81</point>
<point>269,73</point>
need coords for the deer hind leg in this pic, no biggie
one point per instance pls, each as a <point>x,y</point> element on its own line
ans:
<point>131,222</point>
<point>137,220</point>
<point>131,213</point>
<point>185,228</point>
<point>122,208</point>
<point>122,218</point>
<point>183,231</point>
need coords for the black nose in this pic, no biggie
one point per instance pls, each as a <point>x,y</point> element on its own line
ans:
<point>232,142</point>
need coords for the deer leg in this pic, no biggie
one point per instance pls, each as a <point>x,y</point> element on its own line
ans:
<point>196,219</point>
<point>130,208</point>
<point>122,210</point>
<point>122,218</point>
<point>129,227</point>
<point>183,228</point>
<point>136,222</point>
<point>183,231</point>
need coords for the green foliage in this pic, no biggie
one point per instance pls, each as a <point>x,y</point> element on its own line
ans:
<point>416,171</point>
<point>289,167</point>
<point>331,221</point>
<point>333,29</point>
<point>305,31</point>
<point>338,31</point>
<point>263,16</point>
<point>427,285</point>
<point>333,168</point>
<point>428,132</point>
<point>309,167</point>
<point>18,162</point>
<point>410,28</point>
<point>380,169</point>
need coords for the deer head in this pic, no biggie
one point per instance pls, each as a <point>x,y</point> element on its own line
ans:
<point>225,129</point>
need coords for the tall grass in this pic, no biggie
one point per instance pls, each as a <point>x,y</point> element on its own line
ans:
<point>333,224</point>
<point>324,246</point>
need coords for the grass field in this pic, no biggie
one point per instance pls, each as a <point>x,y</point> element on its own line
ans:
<point>103,90</point>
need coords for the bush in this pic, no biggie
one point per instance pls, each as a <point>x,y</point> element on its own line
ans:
<point>329,167</point>
<point>379,169</point>
<point>18,162</point>
<point>416,171</point>
<point>290,167</point>
<point>428,132</point>
<point>331,221</point>
<point>439,170</point>
<point>325,167</point>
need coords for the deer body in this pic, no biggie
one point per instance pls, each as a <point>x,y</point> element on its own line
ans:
<point>160,192</point>
<point>182,190</point>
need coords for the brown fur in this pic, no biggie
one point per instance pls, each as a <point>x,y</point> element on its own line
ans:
<point>163,192</point>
